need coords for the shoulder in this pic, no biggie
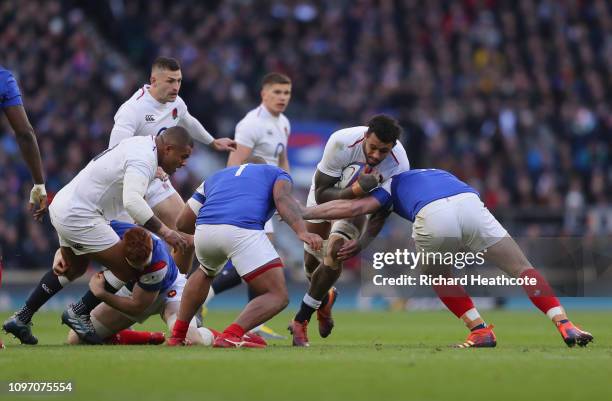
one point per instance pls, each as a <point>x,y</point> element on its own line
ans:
<point>399,154</point>
<point>180,103</point>
<point>349,136</point>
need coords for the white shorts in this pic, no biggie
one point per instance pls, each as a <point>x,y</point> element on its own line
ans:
<point>250,250</point>
<point>459,221</point>
<point>269,227</point>
<point>159,191</point>
<point>172,294</point>
<point>83,237</point>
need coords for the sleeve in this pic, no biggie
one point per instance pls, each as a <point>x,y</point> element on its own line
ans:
<point>247,133</point>
<point>152,277</point>
<point>11,96</point>
<point>126,125</point>
<point>334,155</point>
<point>139,173</point>
<point>195,129</point>
<point>197,199</point>
<point>283,175</point>
<point>383,194</point>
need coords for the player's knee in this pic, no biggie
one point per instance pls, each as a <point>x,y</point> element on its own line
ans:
<point>73,338</point>
<point>331,254</point>
<point>74,272</point>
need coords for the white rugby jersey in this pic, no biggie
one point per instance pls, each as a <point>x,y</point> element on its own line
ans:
<point>97,191</point>
<point>142,115</point>
<point>266,134</point>
<point>346,146</point>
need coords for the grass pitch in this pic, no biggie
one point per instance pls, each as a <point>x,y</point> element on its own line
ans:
<point>370,356</point>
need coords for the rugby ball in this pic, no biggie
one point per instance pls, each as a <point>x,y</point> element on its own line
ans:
<point>350,174</point>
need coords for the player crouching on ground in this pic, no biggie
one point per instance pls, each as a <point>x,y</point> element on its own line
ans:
<point>448,215</point>
<point>157,290</point>
<point>227,214</point>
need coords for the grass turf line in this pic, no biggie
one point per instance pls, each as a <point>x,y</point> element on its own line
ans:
<point>374,355</point>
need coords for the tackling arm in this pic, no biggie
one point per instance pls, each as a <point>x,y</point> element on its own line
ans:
<point>291,212</point>
<point>134,305</point>
<point>342,209</point>
<point>325,190</point>
<point>239,156</point>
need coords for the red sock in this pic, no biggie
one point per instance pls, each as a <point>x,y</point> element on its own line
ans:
<point>235,330</point>
<point>180,329</point>
<point>133,337</point>
<point>542,296</point>
<point>455,298</point>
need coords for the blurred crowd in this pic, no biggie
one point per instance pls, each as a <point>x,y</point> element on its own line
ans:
<point>513,96</point>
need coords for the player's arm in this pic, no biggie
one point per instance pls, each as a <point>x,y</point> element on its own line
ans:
<point>283,160</point>
<point>135,305</point>
<point>342,209</point>
<point>126,125</point>
<point>240,156</point>
<point>135,184</point>
<point>291,212</point>
<point>199,133</point>
<point>28,145</point>
<point>374,225</point>
<point>326,191</point>
<point>187,219</point>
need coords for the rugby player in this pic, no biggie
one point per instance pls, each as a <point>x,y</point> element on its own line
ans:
<point>263,132</point>
<point>12,106</point>
<point>157,290</point>
<point>152,109</point>
<point>113,183</point>
<point>374,146</point>
<point>227,213</point>
<point>448,215</point>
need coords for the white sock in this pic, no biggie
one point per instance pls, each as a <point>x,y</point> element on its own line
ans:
<point>552,312</point>
<point>310,301</point>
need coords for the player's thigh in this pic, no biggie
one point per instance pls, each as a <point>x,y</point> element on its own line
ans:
<point>167,206</point>
<point>480,229</point>
<point>436,228</point>
<point>270,281</point>
<point>108,321</point>
<point>312,258</point>
<point>213,244</point>
<point>114,260</point>
<point>84,237</point>
<point>508,256</point>
<point>253,254</point>
<point>77,264</point>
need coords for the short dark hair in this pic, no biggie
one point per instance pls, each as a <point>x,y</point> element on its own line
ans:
<point>386,128</point>
<point>275,78</point>
<point>166,63</point>
<point>177,136</point>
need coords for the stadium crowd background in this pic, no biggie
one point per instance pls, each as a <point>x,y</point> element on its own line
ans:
<point>513,96</point>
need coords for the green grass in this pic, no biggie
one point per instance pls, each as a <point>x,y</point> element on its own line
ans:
<point>370,356</point>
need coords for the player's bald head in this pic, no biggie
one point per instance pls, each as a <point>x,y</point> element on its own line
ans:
<point>177,136</point>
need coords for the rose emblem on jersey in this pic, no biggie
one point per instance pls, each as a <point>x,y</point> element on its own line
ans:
<point>174,113</point>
